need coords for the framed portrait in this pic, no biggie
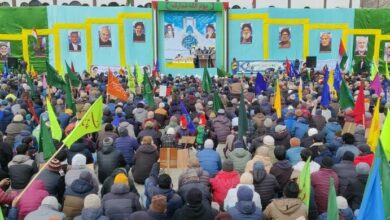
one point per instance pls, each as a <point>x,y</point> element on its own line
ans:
<point>284,37</point>
<point>5,50</point>
<point>246,33</point>
<point>105,36</point>
<point>138,31</point>
<point>210,31</point>
<point>40,47</point>
<point>387,52</point>
<point>361,46</point>
<point>169,31</point>
<point>74,41</point>
<point>325,42</point>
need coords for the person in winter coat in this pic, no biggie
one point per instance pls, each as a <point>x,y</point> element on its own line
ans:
<point>300,128</point>
<point>172,124</point>
<point>269,142</point>
<point>246,179</point>
<point>162,185</point>
<point>140,113</point>
<point>345,212</point>
<point>245,208</point>
<point>21,168</point>
<point>169,140</point>
<point>221,126</point>
<point>150,131</point>
<point>126,145</point>
<point>191,180</point>
<point>355,189</point>
<point>120,202</point>
<point>193,165</point>
<point>7,116</point>
<point>281,136</point>
<point>92,209</point>
<point>307,141</point>
<point>318,121</point>
<point>288,207</point>
<point>161,115</point>
<point>54,179</point>
<point>108,132</point>
<point>261,154</point>
<point>293,154</point>
<point>330,129</point>
<point>209,159</point>
<point>156,210</point>
<point>240,156</point>
<point>32,198</point>
<point>282,169</point>
<point>123,124</point>
<point>346,171</point>
<point>14,128</point>
<point>225,179</point>
<point>79,166</point>
<point>79,148</point>
<point>265,184</point>
<point>145,156</point>
<point>348,145</point>
<point>49,209</point>
<point>194,209</point>
<point>6,153</point>
<point>109,181</point>
<point>320,182</point>
<point>74,194</point>
<point>108,159</point>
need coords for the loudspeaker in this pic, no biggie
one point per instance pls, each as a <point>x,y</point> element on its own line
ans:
<point>311,61</point>
<point>12,62</point>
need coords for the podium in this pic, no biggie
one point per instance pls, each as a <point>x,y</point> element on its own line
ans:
<point>204,60</point>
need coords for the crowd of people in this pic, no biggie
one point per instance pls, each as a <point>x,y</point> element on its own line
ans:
<point>229,177</point>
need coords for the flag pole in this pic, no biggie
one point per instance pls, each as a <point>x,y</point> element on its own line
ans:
<point>39,172</point>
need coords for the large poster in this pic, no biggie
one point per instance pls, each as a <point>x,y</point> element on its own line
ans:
<point>188,35</point>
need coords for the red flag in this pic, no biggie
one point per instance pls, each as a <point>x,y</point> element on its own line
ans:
<point>359,106</point>
<point>30,108</point>
<point>341,49</point>
<point>115,88</point>
<point>288,67</point>
<point>72,67</point>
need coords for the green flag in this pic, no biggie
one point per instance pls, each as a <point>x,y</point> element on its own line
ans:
<point>242,117</point>
<point>333,211</point>
<point>31,85</point>
<point>373,70</point>
<point>130,80</point>
<point>346,99</point>
<point>75,82</point>
<point>387,75</point>
<point>222,73</point>
<point>69,103</point>
<point>139,75</point>
<point>206,81</point>
<point>148,91</point>
<point>217,102</point>
<point>91,122</point>
<point>56,131</point>
<point>53,78</point>
<point>304,182</point>
<point>384,170</point>
<point>45,141</point>
<point>384,139</point>
<point>1,214</point>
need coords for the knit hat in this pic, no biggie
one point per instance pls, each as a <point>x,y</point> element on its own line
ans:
<point>164,181</point>
<point>18,118</point>
<point>269,140</point>
<point>194,196</point>
<point>244,193</point>
<point>268,123</point>
<point>312,131</point>
<point>171,131</point>
<point>280,128</point>
<point>51,201</point>
<point>209,144</point>
<point>54,165</point>
<point>341,202</point>
<point>121,178</point>
<point>294,142</point>
<point>92,201</point>
<point>362,168</point>
<point>79,160</point>
<point>193,162</point>
<point>246,178</point>
<point>159,204</point>
<point>227,165</point>
<point>210,104</point>
<point>108,141</point>
<point>161,105</point>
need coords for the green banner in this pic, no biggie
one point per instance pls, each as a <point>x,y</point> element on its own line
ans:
<point>190,6</point>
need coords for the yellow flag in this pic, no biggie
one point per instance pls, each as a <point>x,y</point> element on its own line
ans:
<point>91,122</point>
<point>333,91</point>
<point>139,74</point>
<point>278,100</point>
<point>385,139</point>
<point>373,135</point>
<point>56,131</point>
<point>33,73</point>
<point>300,89</point>
<point>130,80</point>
